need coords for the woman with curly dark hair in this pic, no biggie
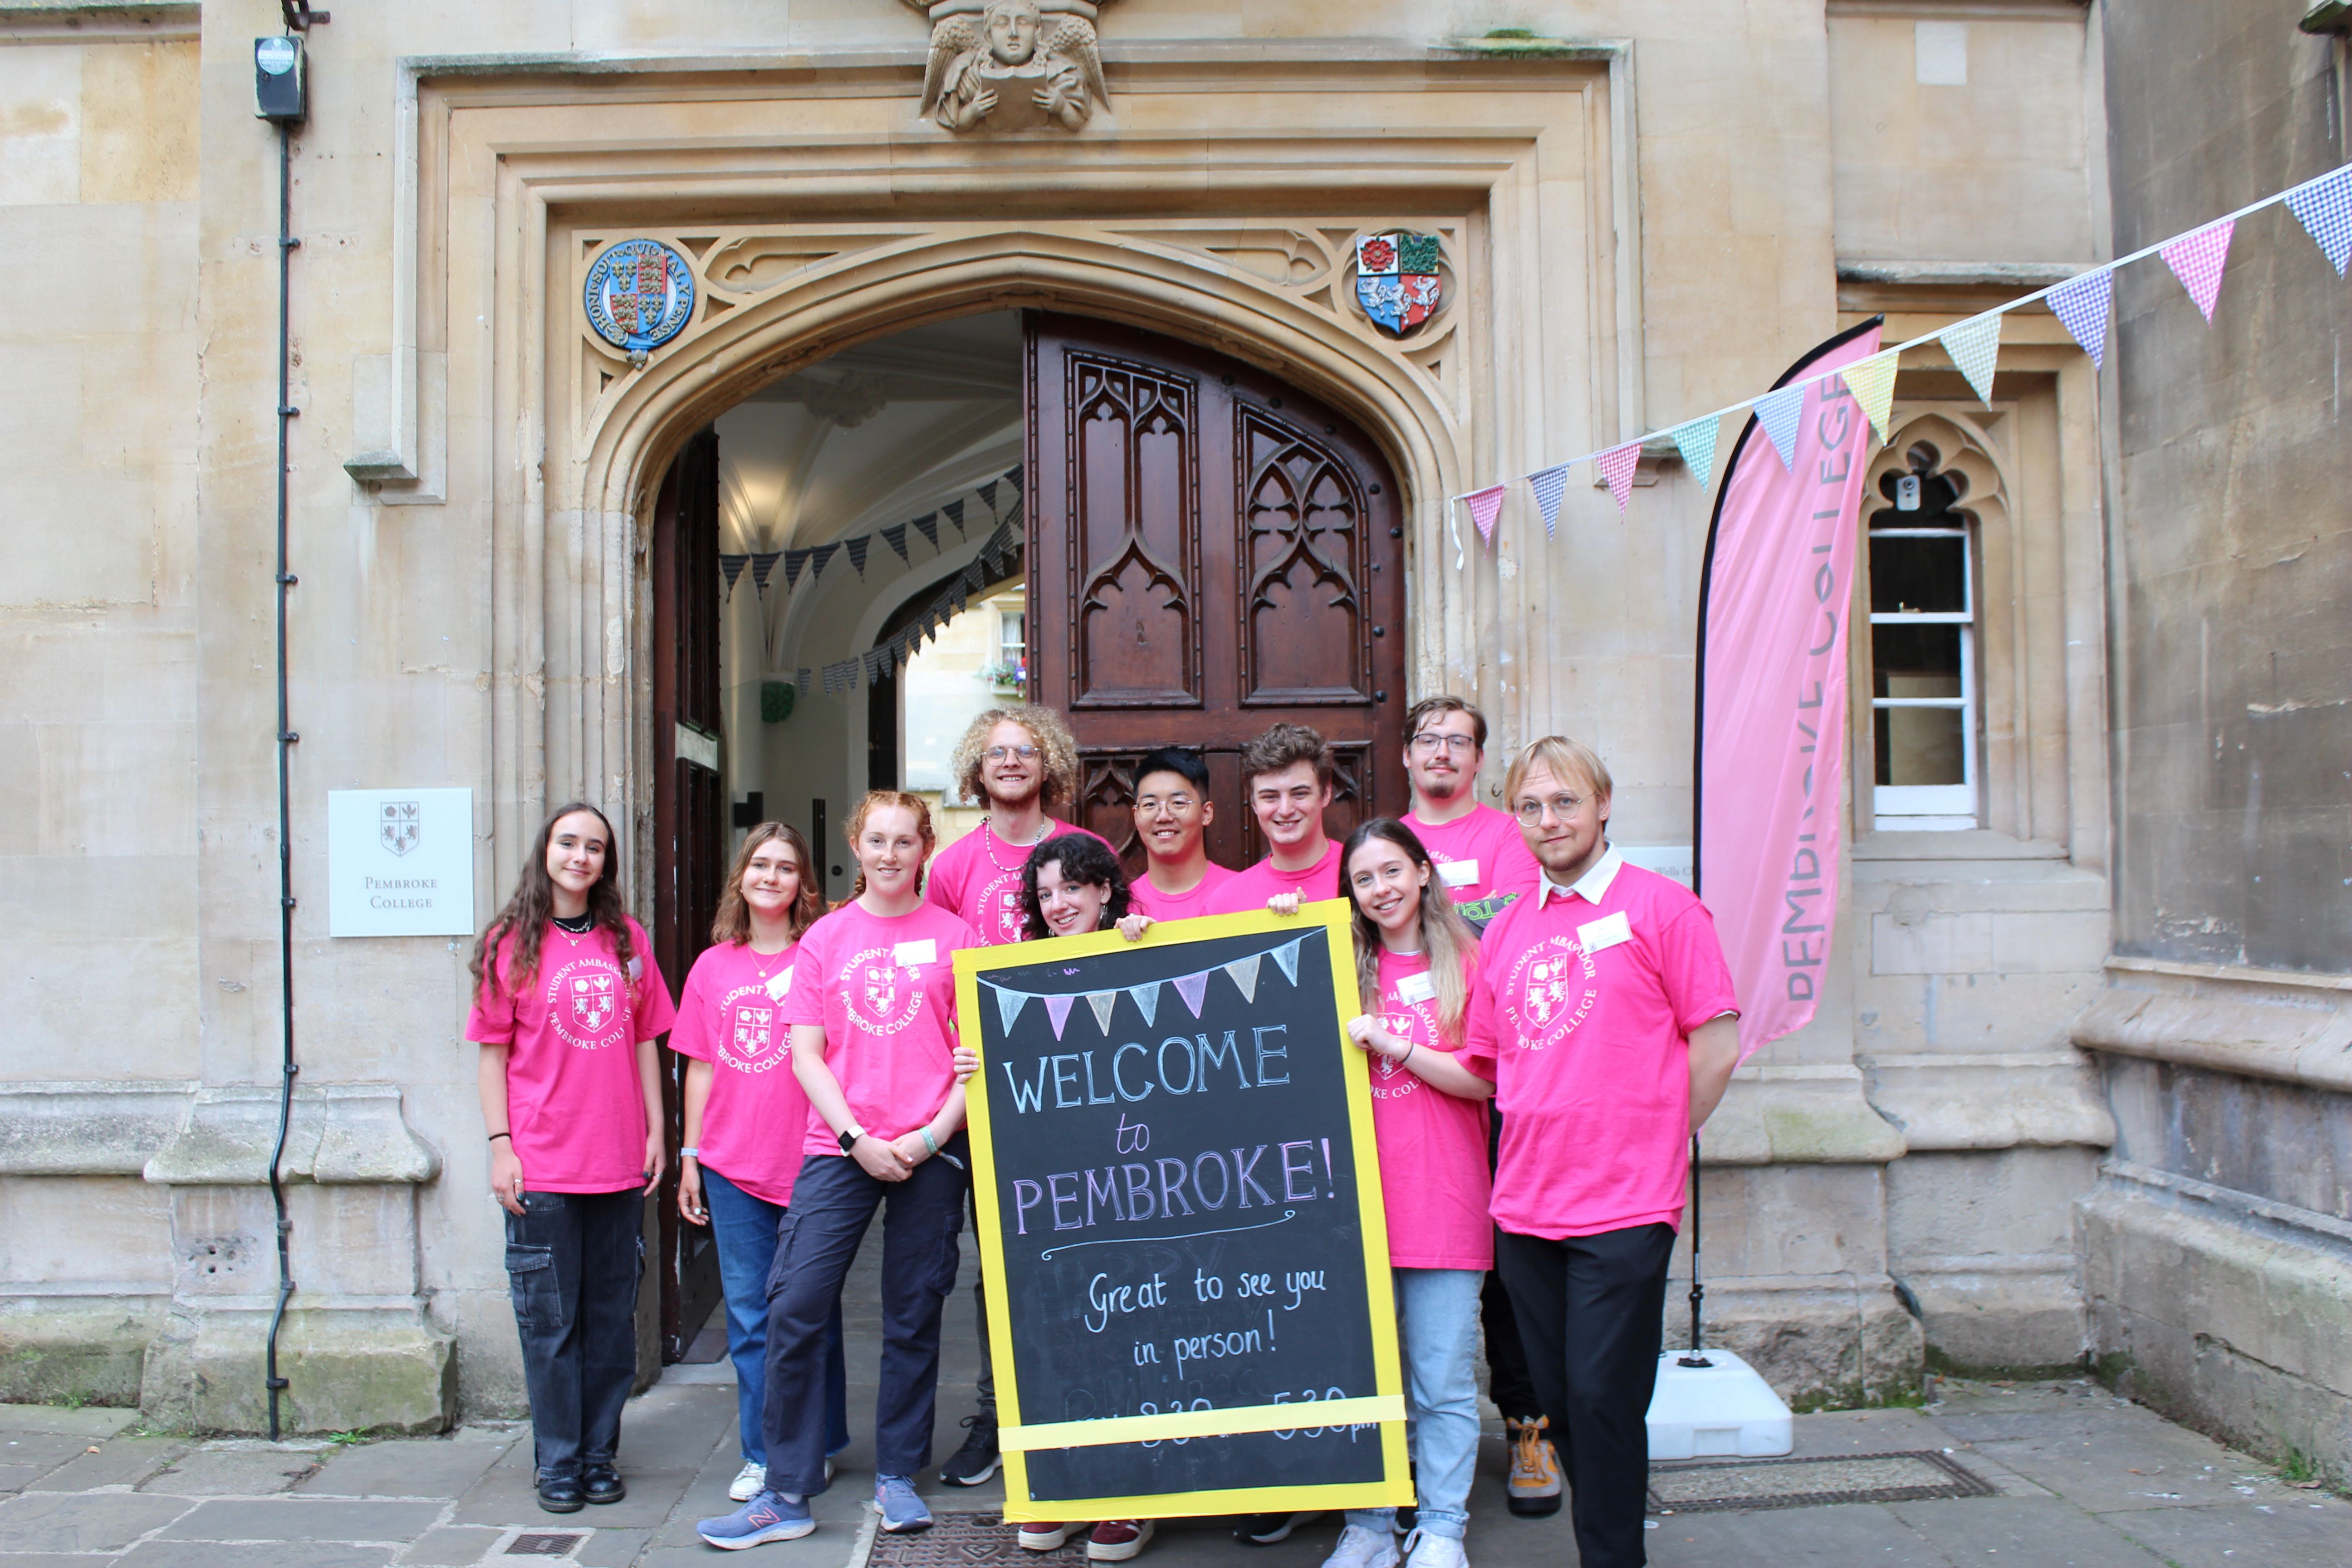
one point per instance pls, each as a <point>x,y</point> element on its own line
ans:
<point>744,1109</point>
<point>1071,884</point>
<point>567,1008</point>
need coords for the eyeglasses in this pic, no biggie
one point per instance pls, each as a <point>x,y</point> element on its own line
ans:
<point>1563,806</point>
<point>1151,803</point>
<point>999,753</point>
<point>1429,741</point>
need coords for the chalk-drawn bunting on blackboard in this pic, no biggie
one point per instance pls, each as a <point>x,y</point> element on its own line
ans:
<point>1180,1212</point>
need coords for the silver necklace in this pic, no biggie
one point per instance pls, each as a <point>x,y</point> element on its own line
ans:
<point>988,822</point>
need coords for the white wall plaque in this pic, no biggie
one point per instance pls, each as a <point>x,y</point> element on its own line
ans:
<point>400,862</point>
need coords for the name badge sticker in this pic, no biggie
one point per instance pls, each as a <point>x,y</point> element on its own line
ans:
<point>780,986</point>
<point>1416,988</point>
<point>908,953</point>
<point>1605,933</point>
<point>1457,873</point>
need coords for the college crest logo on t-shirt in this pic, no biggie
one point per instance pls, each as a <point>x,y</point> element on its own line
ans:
<point>754,1041</point>
<point>1390,1080</point>
<point>587,996</point>
<point>883,997</point>
<point>1000,909</point>
<point>1550,992</point>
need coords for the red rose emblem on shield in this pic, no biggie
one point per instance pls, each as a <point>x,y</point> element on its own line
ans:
<point>1376,255</point>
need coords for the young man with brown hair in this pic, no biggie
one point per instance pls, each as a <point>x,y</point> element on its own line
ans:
<point>1286,775</point>
<point>1479,854</point>
<point>1023,762</point>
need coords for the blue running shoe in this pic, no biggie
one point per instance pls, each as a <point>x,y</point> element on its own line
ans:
<point>770,1516</point>
<point>902,1512</point>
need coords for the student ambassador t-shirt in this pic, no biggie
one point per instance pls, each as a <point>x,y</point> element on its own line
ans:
<point>1145,898</point>
<point>884,990</point>
<point>1433,1145</point>
<point>1481,857</point>
<point>978,877</point>
<point>1593,1006</point>
<point>575,1105</point>
<point>730,1015</point>
<point>1247,890</point>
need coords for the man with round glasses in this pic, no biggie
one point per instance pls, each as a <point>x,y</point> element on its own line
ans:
<point>1479,854</point>
<point>1616,1031</point>
<point>1172,813</point>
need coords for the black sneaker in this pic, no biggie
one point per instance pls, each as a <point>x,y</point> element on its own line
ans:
<point>1265,1528</point>
<point>977,1460</point>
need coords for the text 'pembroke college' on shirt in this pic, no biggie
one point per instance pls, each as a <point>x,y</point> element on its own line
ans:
<point>575,1105</point>
<point>1595,990</point>
<point>883,988</point>
<point>978,877</point>
<point>1432,1144</point>
<point>730,1015</point>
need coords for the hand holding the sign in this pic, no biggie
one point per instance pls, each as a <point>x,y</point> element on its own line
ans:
<point>1437,1069</point>
<point>1132,927</point>
<point>967,1062</point>
<point>1284,904</point>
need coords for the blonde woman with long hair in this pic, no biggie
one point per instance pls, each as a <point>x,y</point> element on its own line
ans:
<point>744,1110</point>
<point>1416,964</point>
<point>872,1012</point>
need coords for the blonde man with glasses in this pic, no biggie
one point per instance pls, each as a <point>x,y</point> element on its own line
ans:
<point>1477,850</point>
<point>1615,1032</point>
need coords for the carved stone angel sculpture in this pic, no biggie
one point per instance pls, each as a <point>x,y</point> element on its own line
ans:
<point>1012,64</point>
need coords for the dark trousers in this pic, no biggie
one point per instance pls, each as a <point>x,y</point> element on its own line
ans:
<point>832,1203</point>
<point>1507,1364</point>
<point>573,1262</point>
<point>987,1388</point>
<point>1589,1311</point>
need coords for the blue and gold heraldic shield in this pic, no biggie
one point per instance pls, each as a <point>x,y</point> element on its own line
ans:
<point>640,295</point>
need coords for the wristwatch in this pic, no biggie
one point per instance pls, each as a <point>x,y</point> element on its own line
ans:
<point>850,1135</point>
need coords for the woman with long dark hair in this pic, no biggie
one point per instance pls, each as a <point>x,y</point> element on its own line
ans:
<point>745,1111</point>
<point>872,1012</point>
<point>567,1006</point>
<point>1416,961</point>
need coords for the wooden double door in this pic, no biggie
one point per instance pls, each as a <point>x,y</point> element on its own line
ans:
<point>1211,551</point>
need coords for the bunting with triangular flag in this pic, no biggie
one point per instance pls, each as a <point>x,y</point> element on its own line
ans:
<point>1486,506</point>
<point>1695,439</point>
<point>988,494</point>
<point>1780,412</point>
<point>1617,466</point>
<point>1975,347</point>
<point>2197,259</point>
<point>763,563</point>
<point>1287,956</point>
<point>1549,485</point>
<point>1243,972</point>
<point>818,556</point>
<point>895,537</point>
<point>1872,382</point>
<point>795,562</point>
<point>806,679</point>
<point>855,549</point>
<point>731,567</point>
<point>1147,1001</point>
<point>2082,306</point>
<point>1192,989</point>
<point>2324,208</point>
<point>954,510</point>
<point>1057,1010</point>
<point>1102,1002</point>
<point>927,525</point>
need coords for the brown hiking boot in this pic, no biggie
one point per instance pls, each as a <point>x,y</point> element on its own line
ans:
<point>1535,1468</point>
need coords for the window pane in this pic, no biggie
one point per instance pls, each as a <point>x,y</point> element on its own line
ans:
<point>1920,746</point>
<point>1915,661</point>
<point>1908,573</point>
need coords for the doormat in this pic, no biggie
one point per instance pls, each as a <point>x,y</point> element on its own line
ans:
<point>969,1541</point>
<point>1705,1486</point>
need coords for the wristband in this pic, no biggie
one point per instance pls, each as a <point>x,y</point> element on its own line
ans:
<point>930,1144</point>
<point>1409,1049</point>
<point>495,1136</point>
<point>686,1154</point>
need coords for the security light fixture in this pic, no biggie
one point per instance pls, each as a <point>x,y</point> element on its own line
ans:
<point>280,86</point>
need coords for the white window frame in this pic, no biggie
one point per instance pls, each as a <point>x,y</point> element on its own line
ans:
<point>1931,807</point>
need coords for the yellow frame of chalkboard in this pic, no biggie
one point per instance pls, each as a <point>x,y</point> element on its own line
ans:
<point>1385,1406</point>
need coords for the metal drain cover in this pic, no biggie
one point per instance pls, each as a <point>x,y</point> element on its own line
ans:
<point>1719,1487</point>
<point>969,1541</point>
<point>547,1544</point>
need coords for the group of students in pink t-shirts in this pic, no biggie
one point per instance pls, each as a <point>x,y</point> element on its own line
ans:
<point>1594,1016</point>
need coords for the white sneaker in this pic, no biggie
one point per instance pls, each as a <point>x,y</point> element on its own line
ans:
<point>1361,1548</point>
<point>1043,1536</point>
<point>748,1482</point>
<point>1426,1550</point>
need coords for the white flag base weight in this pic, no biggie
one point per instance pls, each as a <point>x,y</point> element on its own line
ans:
<point>1724,1409</point>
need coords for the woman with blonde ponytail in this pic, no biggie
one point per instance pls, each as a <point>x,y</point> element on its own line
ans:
<point>872,1012</point>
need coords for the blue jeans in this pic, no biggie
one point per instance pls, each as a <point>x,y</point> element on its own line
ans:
<point>745,1229</point>
<point>1437,1311</point>
<point>574,1262</point>
<point>834,1201</point>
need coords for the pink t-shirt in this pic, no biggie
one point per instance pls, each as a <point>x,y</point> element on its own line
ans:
<point>575,1103</point>
<point>1433,1145</point>
<point>1247,890</point>
<point>1593,1006</point>
<point>1482,857</point>
<point>884,990</point>
<point>1145,898</point>
<point>732,1015</point>
<point>978,877</point>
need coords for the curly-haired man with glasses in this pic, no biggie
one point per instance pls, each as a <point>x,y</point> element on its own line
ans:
<point>1023,762</point>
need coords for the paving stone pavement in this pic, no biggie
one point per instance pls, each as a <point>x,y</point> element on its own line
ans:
<point>2081,1479</point>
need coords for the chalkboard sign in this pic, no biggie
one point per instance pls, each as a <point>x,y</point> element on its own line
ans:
<point>1181,1222</point>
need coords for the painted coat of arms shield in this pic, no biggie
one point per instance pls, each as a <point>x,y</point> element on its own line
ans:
<point>1397,280</point>
<point>640,294</point>
<point>400,826</point>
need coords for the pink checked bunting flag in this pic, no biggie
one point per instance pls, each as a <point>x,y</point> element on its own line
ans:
<point>2082,305</point>
<point>2197,261</point>
<point>1617,466</point>
<point>1486,506</point>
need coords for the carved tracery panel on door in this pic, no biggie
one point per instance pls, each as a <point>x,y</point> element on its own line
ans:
<point>1305,638</point>
<point>1134,451</point>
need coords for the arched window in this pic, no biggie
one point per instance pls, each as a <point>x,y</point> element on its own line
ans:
<point>1923,620</point>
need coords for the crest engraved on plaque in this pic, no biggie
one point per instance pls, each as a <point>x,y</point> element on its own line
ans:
<point>401,825</point>
<point>1012,64</point>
